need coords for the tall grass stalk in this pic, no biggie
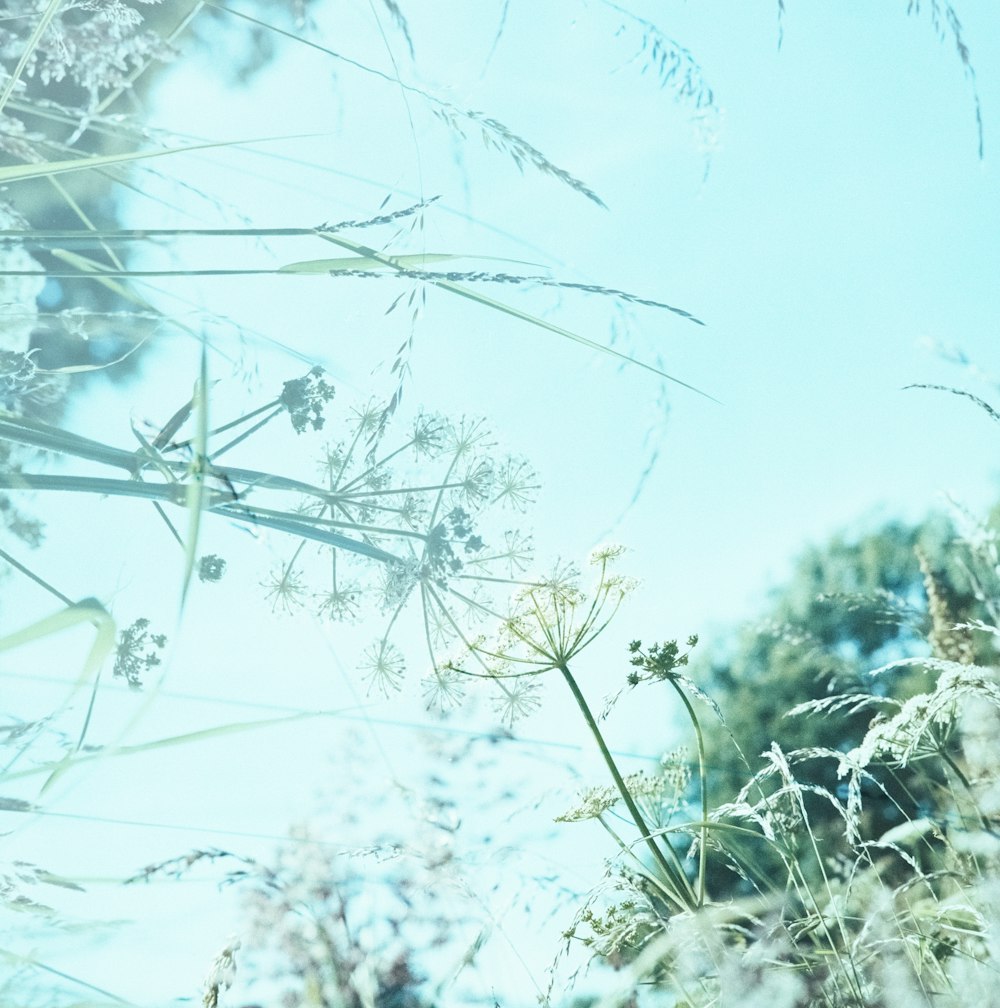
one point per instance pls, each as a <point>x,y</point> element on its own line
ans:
<point>410,524</point>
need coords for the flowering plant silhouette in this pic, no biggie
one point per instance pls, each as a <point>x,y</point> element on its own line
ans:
<point>549,625</point>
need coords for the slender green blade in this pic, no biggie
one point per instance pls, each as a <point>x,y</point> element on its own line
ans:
<point>88,611</point>
<point>196,492</point>
<point>367,263</point>
<point>501,306</point>
<point>16,173</point>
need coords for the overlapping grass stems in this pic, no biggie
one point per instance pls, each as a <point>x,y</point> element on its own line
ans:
<point>387,529</point>
<point>906,918</point>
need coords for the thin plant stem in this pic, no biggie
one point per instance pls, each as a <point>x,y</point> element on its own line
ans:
<point>684,895</point>
<point>703,850</point>
<point>627,850</point>
<point>245,434</point>
<point>4,555</point>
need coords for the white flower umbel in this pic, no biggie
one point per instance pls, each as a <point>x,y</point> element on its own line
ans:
<point>549,625</point>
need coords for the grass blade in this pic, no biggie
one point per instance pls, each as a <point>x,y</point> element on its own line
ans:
<point>327,266</point>
<point>488,302</point>
<point>196,489</point>
<point>32,44</point>
<point>16,173</point>
<point>87,611</point>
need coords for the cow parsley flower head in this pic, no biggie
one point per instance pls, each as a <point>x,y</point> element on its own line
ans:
<point>305,400</point>
<point>393,525</point>
<point>515,484</point>
<point>137,652</point>
<point>285,589</point>
<point>383,667</point>
<point>444,688</point>
<point>340,603</point>
<point>398,581</point>
<point>429,435</point>
<point>516,700</point>
<point>551,622</point>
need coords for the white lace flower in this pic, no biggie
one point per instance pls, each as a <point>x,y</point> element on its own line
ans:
<point>382,667</point>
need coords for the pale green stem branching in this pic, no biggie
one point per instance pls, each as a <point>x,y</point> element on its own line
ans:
<point>682,892</point>
<point>627,850</point>
<point>703,850</point>
<point>240,438</point>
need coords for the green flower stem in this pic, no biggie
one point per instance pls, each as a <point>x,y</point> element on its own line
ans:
<point>245,434</point>
<point>684,894</point>
<point>626,849</point>
<point>4,555</point>
<point>174,493</point>
<point>88,238</point>
<point>216,503</point>
<point>984,822</point>
<point>311,521</point>
<point>40,435</point>
<point>702,852</point>
<point>273,405</point>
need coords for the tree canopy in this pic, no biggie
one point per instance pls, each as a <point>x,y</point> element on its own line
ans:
<point>851,605</point>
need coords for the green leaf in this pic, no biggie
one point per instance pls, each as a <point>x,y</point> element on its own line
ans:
<point>87,611</point>
<point>196,491</point>
<point>368,263</point>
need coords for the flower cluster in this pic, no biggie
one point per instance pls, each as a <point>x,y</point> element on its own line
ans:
<point>549,622</point>
<point>137,652</point>
<point>400,526</point>
<point>305,398</point>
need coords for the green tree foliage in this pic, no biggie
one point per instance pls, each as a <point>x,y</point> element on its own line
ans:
<point>850,606</point>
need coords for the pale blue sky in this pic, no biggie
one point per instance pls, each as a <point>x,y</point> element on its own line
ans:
<point>845,222</point>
